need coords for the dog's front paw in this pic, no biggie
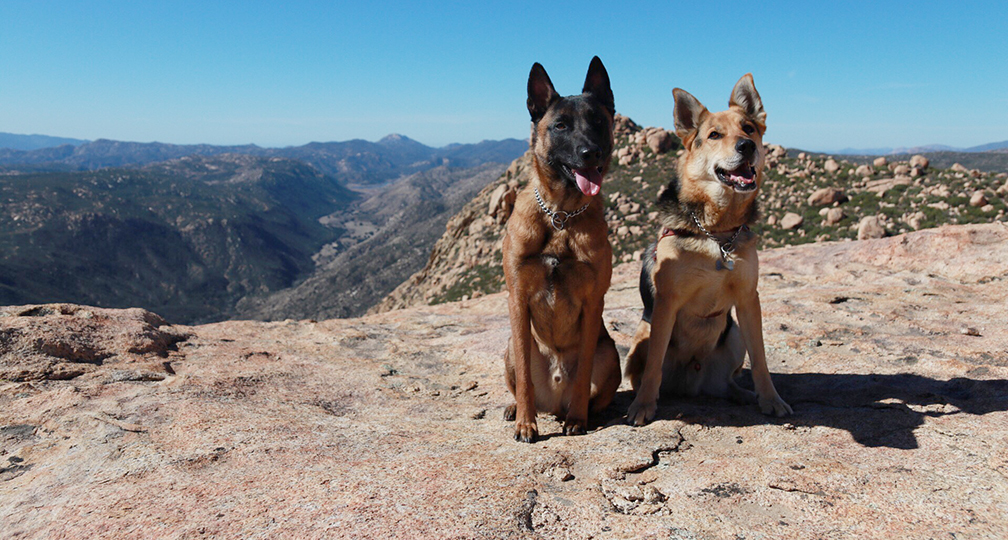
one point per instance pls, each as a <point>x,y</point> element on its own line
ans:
<point>574,426</point>
<point>526,431</point>
<point>773,405</point>
<point>641,411</point>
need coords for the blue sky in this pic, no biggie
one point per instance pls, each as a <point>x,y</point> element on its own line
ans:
<point>832,75</point>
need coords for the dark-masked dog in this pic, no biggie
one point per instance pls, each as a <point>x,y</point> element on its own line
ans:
<point>558,261</point>
<point>705,263</point>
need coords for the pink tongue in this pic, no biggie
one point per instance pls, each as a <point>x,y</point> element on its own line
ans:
<point>742,179</point>
<point>589,180</point>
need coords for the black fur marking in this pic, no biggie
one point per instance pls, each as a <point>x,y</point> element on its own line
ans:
<point>729,322</point>
<point>647,288</point>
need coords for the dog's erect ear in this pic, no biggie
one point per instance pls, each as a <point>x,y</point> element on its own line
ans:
<point>688,113</point>
<point>540,92</point>
<point>745,96</point>
<point>597,84</point>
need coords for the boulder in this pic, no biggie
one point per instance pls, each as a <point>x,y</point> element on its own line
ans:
<point>870,227</point>
<point>978,198</point>
<point>791,221</point>
<point>880,162</point>
<point>919,162</point>
<point>833,216</point>
<point>660,141</point>
<point>826,196</point>
<point>831,166</point>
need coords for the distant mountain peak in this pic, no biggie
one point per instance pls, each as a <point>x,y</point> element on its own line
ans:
<point>395,138</point>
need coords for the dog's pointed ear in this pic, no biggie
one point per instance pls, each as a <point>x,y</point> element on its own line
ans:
<point>597,84</point>
<point>745,96</point>
<point>688,114</point>
<point>540,92</point>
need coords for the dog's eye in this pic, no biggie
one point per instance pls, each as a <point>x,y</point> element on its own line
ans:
<point>559,126</point>
<point>714,135</point>
<point>748,129</point>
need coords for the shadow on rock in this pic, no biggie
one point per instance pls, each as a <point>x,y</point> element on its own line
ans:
<point>877,410</point>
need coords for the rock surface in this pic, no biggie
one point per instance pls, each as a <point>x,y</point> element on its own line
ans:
<point>892,353</point>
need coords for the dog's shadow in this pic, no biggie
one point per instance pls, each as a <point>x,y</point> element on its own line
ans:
<point>877,410</point>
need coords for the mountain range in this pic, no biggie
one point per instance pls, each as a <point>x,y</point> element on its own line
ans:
<point>989,147</point>
<point>349,162</point>
<point>14,141</point>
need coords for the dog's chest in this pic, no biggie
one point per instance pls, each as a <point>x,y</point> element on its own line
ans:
<point>567,280</point>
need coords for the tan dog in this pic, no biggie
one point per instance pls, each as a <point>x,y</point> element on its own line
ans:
<point>705,263</point>
<point>558,261</point>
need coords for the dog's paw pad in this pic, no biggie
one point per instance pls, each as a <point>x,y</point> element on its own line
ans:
<point>574,427</point>
<point>641,413</point>
<point>774,406</point>
<point>526,432</point>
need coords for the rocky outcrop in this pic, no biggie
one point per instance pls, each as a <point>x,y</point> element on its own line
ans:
<point>390,425</point>
<point>66,341</point>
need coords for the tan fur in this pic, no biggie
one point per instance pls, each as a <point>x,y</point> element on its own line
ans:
<point>560,359</point>
<point>679,352</point>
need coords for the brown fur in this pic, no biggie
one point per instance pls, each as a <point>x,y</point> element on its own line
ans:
<point>560,359</point>
<point>690,346</point>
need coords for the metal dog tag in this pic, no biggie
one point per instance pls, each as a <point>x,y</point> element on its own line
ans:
<point>726,264</point>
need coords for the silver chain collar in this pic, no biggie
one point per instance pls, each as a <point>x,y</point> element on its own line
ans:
<point>727,247</point>
<point>556,220</point>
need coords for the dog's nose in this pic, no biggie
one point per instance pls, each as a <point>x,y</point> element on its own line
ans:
<point>746,147</point>
<point>590,154</point>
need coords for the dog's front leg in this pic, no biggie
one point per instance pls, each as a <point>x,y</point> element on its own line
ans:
<point>526,429</point>
<point>750,318</point>
<point>577,412</point>
<point>663,319</point>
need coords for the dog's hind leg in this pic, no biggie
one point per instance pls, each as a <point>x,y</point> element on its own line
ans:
<point>606,375</point>
<point>509,377</point>
<point>633,366</point>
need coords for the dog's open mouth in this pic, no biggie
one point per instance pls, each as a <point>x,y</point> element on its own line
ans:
<point>742,178</point>
<point>588,179</point>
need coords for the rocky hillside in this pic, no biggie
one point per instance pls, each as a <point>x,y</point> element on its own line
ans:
<point>806,198</point>
<point>187,238</point>
<point>117,425</point>
<point>387,237</point>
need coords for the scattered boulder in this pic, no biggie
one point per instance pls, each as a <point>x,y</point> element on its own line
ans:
<point>882,185</point>
<point>831,166</point>
<point>791,220</point>
<point>978,199</point>
<point>502,202</point>
<point>919,162</point>
<point>833,216</point>
<point>864,170</point>
<point>776,151</point>
<point>901,169</point>
<point>915,220</point>
<point>660,141</point>
<point>880,162</point>
<point>870,227</point>
<point>957,167</point>
<point>826,196</point>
